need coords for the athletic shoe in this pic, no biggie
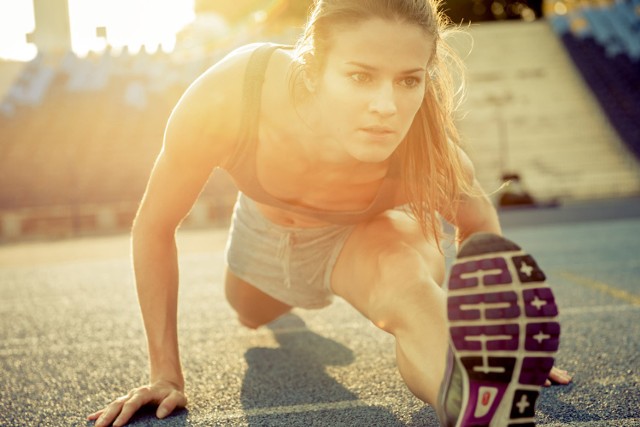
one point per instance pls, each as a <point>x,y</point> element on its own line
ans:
<point>503,333</point>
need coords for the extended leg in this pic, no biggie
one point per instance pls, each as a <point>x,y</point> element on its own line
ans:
<point>391,274</point>
<point>499,317</point>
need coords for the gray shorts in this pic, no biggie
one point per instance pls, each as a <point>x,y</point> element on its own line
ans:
<point>290,264</point>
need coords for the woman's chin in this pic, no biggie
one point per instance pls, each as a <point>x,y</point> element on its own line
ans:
<point>373,153</point>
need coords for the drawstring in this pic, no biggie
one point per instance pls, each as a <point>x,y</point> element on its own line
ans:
<point>284,253</point>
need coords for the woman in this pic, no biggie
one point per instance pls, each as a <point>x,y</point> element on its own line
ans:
<point>345,154</point>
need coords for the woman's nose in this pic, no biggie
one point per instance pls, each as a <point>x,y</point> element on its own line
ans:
<point>383,101</point>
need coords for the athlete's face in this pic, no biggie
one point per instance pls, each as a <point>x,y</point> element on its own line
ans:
<point>371,86</point>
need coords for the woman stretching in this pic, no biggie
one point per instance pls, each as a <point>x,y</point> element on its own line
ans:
<point>346,157</point>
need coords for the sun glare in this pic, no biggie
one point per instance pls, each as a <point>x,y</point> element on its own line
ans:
<point>16,21</point>
<point>96,24</point>
<point>135,24</point>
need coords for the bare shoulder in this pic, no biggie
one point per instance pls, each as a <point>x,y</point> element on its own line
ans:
<point>205,122</point>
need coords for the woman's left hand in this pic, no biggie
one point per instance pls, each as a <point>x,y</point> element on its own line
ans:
<point>558,376</point>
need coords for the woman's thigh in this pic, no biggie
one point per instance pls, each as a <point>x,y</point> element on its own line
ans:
<point>254,307</point>
<point>386,259</point>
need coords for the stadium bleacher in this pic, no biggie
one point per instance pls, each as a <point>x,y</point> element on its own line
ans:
<point>529,111</point>
<point>88,141</point>
<point>603,40</point>
<point>79,135</point>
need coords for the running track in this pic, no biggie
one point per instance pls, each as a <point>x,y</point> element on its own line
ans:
<point>72,339</point>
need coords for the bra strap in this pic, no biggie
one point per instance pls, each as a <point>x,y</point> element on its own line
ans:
<point>251,99</point>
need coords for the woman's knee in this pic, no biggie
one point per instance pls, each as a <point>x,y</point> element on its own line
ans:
<point>403,249</point>
<point>253,307</point>
<point>404,289</point>
<point>388,269</point>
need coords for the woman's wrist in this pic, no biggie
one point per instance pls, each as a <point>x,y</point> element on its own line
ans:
<point>170,372</point>
<point>176,381</point>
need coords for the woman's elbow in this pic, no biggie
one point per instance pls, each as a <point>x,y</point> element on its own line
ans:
<point>147,225</point>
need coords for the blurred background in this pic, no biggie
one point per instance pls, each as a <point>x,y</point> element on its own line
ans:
<point>86,87</point>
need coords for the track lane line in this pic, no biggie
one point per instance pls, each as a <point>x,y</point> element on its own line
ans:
<point>601,287</point>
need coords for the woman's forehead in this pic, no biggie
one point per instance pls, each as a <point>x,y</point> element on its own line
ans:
<point>378,42</point>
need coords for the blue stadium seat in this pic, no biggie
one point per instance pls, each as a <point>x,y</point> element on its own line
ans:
<point>607,53</point>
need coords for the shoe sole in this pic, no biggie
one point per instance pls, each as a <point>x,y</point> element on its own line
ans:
<point>503,331</point>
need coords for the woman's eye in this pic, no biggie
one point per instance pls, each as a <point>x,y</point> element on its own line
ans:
<point>410,82</point>
<point>360,77</point>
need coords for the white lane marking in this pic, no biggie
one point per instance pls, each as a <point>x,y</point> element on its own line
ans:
<point>601,287</point>
<point>597,309</point>
<point>292,409</point>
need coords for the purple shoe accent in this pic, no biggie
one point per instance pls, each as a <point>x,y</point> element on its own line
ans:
<point>459,337</point>
<point>540,303</point>
<point>535,370</point>
<point>455,310</point>
<point>512,311</point>
<point>542,337</point>
<point>491,369</point>
<point>457,282</point>
<point>483,338</point>
<point>501,278</point>
<point>524,402</point>
<point>484,399</point>
<point>479,306</point>
<point>528,270</point>
<point>468,274</point>
<point>505,344</point>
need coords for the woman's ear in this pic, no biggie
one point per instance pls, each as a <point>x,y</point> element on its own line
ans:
<point>309,73</point>
<point>309,81</point>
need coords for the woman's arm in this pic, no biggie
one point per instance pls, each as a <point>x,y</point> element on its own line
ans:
<point>199,136</point>
<point>475,212</point>
<point>168,198</point>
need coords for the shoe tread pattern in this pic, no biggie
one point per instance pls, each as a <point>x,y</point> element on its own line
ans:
<point>503,329</point>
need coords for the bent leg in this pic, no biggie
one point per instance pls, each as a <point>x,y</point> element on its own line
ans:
<point>254,307</point>
<point>390,273</point>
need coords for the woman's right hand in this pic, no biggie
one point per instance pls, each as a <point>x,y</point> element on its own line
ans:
<point>167,396</point>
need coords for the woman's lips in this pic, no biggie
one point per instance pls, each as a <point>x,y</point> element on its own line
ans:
<point>378,130</point>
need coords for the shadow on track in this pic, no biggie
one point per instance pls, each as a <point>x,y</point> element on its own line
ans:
<point>289,385</point>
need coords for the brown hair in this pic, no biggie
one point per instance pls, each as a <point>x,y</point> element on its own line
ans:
<point>432,173</point>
